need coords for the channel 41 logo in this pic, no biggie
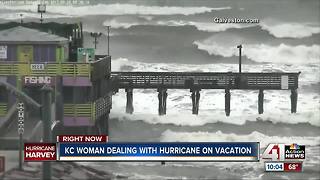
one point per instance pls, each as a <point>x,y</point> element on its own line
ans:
<point>282,152</point>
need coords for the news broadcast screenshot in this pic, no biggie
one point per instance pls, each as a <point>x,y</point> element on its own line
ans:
<point>160,89</point>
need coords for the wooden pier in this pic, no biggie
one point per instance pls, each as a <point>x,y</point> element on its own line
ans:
<point>196,81</point>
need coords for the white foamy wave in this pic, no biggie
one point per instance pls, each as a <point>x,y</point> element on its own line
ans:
<point>146,17</point>
<point>151,177</point>
<point>171,136</point>
<point>31,15</point>
<point>115,24</point>
<point>283,30</point>
<point>118,9</point>
<point>185,118</point>
<point>201,26</point>
<point>118,63</point>
<point>309,72</point>
<point>204,26</point>
<point>282,53</point>
<point>290,30</point>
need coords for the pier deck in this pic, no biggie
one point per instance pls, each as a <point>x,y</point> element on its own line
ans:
<point>190,80</point>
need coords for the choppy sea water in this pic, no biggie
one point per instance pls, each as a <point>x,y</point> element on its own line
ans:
<point>277,124</point>
<point>181,36</point>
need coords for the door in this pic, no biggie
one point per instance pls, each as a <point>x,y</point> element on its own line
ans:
<point>25,53</point>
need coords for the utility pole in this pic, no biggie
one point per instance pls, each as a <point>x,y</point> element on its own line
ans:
<point>239,47</point>
<point>108,27</point>
<point>95,35</point>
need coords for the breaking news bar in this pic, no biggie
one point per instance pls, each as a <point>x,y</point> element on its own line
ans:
<point>96,148</point>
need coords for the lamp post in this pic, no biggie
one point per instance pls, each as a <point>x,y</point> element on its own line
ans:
<point>108,36</point>
<point>21,21</point>
<point>239,47</point>
<point>95,35</point>
<point>41,10</point>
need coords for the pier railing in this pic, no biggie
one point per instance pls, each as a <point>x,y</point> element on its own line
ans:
<point>185,80</point>
<point>96,69</point>
<point>9,68</point>
<point>3,109</point>
<point>80,110</point>
<point>93,110</point>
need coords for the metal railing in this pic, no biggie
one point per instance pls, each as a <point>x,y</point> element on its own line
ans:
<point>3,109</point>
<point>203,80</point>
<point>103,105</point>
<point>93,110</point>
<point>80,110</point>
<point>8,68</point>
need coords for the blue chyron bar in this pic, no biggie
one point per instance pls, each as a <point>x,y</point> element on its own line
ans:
<point>214,151</point>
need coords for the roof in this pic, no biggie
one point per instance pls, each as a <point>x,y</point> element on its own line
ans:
<point>25,35</point>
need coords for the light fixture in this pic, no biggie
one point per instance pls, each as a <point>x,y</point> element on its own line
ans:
<point>41,9</point>
<point>95,35</point>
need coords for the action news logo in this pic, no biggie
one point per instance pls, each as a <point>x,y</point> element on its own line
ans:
<point>281,152</point>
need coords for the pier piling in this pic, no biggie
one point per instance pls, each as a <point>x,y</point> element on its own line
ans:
<point>227,98</point>
<point>294,99</point>
<point>129,105</point>
<point>195,96</point>
<point>46,111</point>
<point>260,101</point>
<point>162,96</point>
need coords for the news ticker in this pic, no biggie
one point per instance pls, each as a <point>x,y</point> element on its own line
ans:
<point>279,157</point>
<point>97,148</point>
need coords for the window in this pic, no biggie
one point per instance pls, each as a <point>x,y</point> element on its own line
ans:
<point>76,95</point>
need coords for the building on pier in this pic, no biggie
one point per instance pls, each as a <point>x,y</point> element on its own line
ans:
<point>30,58</point>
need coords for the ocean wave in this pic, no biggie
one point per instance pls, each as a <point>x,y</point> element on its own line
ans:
<point>283,30</point>
<point>30,15</point>
<point>283,53</point>
<point>243,105</point>
<point>171,136</point>
<point>180,117</point>
<point>274,27</point>
<point>118,9</point>
<point>201,26</point>
<point>151,177</point>
<point>115,24</point>
<point>309,72</point>
<point>204,26</point>
<point>290,30</point>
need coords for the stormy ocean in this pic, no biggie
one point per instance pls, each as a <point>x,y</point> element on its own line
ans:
<point>181,35</point>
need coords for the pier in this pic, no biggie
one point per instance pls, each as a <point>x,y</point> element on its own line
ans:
<point>197,81</point>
